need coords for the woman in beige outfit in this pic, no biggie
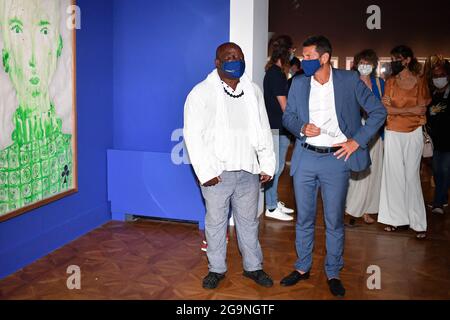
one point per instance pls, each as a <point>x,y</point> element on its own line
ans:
<point>363,195</point>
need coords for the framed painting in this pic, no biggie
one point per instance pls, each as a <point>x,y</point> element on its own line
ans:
<point>38,158</point>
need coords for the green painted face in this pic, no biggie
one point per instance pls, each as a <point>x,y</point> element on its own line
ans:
<point>32,44</point>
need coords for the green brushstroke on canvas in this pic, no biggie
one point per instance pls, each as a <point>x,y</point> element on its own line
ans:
<point>5,57</point>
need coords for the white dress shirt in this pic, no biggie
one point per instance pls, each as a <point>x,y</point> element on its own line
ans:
<point>322,113</point>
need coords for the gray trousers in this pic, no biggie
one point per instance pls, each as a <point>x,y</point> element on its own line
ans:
<point>241,190</point>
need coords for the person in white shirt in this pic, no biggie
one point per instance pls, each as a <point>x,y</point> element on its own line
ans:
<point>229,143</point>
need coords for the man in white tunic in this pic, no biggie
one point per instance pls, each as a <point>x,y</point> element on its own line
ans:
<point>229,142</point>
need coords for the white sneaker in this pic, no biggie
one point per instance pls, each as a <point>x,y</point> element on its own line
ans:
<point>231,221</point>
<point>279,215</point>
<point>283,208</point>
<point>438,210</point>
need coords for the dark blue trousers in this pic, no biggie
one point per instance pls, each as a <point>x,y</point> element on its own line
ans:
<point>332,176</point>
<point>441,173</point>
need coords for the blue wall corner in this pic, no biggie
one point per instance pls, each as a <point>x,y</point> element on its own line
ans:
<point>136,62</point>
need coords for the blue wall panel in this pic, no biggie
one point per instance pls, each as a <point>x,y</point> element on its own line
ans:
<point>147,183</point>
<point>161,50</point>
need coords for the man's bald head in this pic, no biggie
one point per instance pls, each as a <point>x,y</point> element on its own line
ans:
<point>224,47</point>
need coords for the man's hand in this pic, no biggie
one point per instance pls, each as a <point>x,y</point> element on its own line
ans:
<point>212,182</point>
<point>347,148</point>
<point>310,130</point>
<point>263,177</point>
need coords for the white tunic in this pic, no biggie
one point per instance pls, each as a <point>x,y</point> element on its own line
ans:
<point>222,133</point>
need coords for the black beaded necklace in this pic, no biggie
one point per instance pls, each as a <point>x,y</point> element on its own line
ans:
<point>232,95</point>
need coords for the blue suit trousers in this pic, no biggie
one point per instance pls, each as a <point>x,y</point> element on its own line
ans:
<point>332,176</point>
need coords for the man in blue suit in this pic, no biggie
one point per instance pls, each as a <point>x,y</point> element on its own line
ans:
<point>323,113</point>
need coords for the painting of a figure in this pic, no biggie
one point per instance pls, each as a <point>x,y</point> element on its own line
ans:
<point>37,104</point>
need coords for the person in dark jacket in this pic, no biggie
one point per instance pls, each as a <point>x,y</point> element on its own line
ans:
<point>438,121</point>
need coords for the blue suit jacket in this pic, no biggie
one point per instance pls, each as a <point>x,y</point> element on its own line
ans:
<point>350,94</point>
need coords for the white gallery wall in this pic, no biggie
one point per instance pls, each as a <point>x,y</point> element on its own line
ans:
<point>249,28</point>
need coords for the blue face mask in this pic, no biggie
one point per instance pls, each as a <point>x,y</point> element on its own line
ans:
<point>234,69</point>
<point>310,66</point>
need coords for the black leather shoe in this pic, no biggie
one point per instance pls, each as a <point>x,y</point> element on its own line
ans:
<point>211,281</point>
<point>293,278</point>
<point>352,222</point>
<point>260,277</point>
<point>336,288</point>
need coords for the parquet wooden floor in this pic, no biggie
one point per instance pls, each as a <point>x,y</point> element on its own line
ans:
<point>149,259</point>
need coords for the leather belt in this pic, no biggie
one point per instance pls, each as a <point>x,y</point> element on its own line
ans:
<point>320,149</point>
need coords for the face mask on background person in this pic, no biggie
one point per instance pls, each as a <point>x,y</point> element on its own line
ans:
<point>440,82</point>
<point>397,67</point>
<point>365,69</point>
<point>234,69</point>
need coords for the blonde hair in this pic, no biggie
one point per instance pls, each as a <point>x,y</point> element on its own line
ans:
<point>433,61</point>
